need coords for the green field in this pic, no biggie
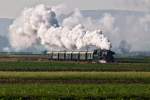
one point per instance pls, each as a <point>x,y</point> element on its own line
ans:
<point>42,80</point>
<point>72,66</point>
<point>78,77</point>
<point>75,91</point>
<point>137,59</point>
<point>74,85</point>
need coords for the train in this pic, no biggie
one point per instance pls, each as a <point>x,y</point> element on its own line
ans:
<point>97,55</point>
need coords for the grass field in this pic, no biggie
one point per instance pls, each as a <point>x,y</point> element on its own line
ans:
<point>133,60</point>
<point>75,77</point>
<point>76,91</point>
<point>71,66</point>
<point>42,80</point>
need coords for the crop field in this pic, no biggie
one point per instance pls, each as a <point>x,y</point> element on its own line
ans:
<point>75,77</point>
<point>126,79</point>
<point>133,60</point>
<point>71,66</point>
<point>75,91</point>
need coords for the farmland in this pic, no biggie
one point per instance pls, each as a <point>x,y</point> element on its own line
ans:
<point>75,77</point>
<point>75,91</point>
<point>71,66</point>
<point>126,79</point>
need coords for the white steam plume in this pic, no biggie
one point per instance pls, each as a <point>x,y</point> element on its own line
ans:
<point>39,26</point>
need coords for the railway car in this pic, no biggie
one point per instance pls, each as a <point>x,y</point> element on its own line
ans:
<point>98,55</point>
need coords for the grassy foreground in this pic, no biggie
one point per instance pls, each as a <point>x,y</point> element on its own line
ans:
<point>74,81</point>
<point>74,91</point>
<point>71,66</point>
<point>101,77</point>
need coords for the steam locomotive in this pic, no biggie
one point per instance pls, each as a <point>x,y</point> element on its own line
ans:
<point>98,55</point>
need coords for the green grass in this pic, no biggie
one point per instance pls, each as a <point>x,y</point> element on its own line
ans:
<point>75,91</point>
<point>76,66</point>
<point>133,60</point>
<point>114,77</point>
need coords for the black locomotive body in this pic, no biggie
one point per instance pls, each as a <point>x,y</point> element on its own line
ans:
<point>98,55</point>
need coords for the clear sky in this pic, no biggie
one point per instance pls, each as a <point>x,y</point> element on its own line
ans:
<point>12,8</point>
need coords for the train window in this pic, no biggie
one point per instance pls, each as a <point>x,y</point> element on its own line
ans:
<point>68,55</point>
<point>82,55</point>
<point>89,56</point>
<point>55,55</point>
<point>75,55</point>
<point>61,56</point>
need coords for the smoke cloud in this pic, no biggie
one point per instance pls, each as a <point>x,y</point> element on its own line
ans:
<point>48,27</point>
<point>124,47</point>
